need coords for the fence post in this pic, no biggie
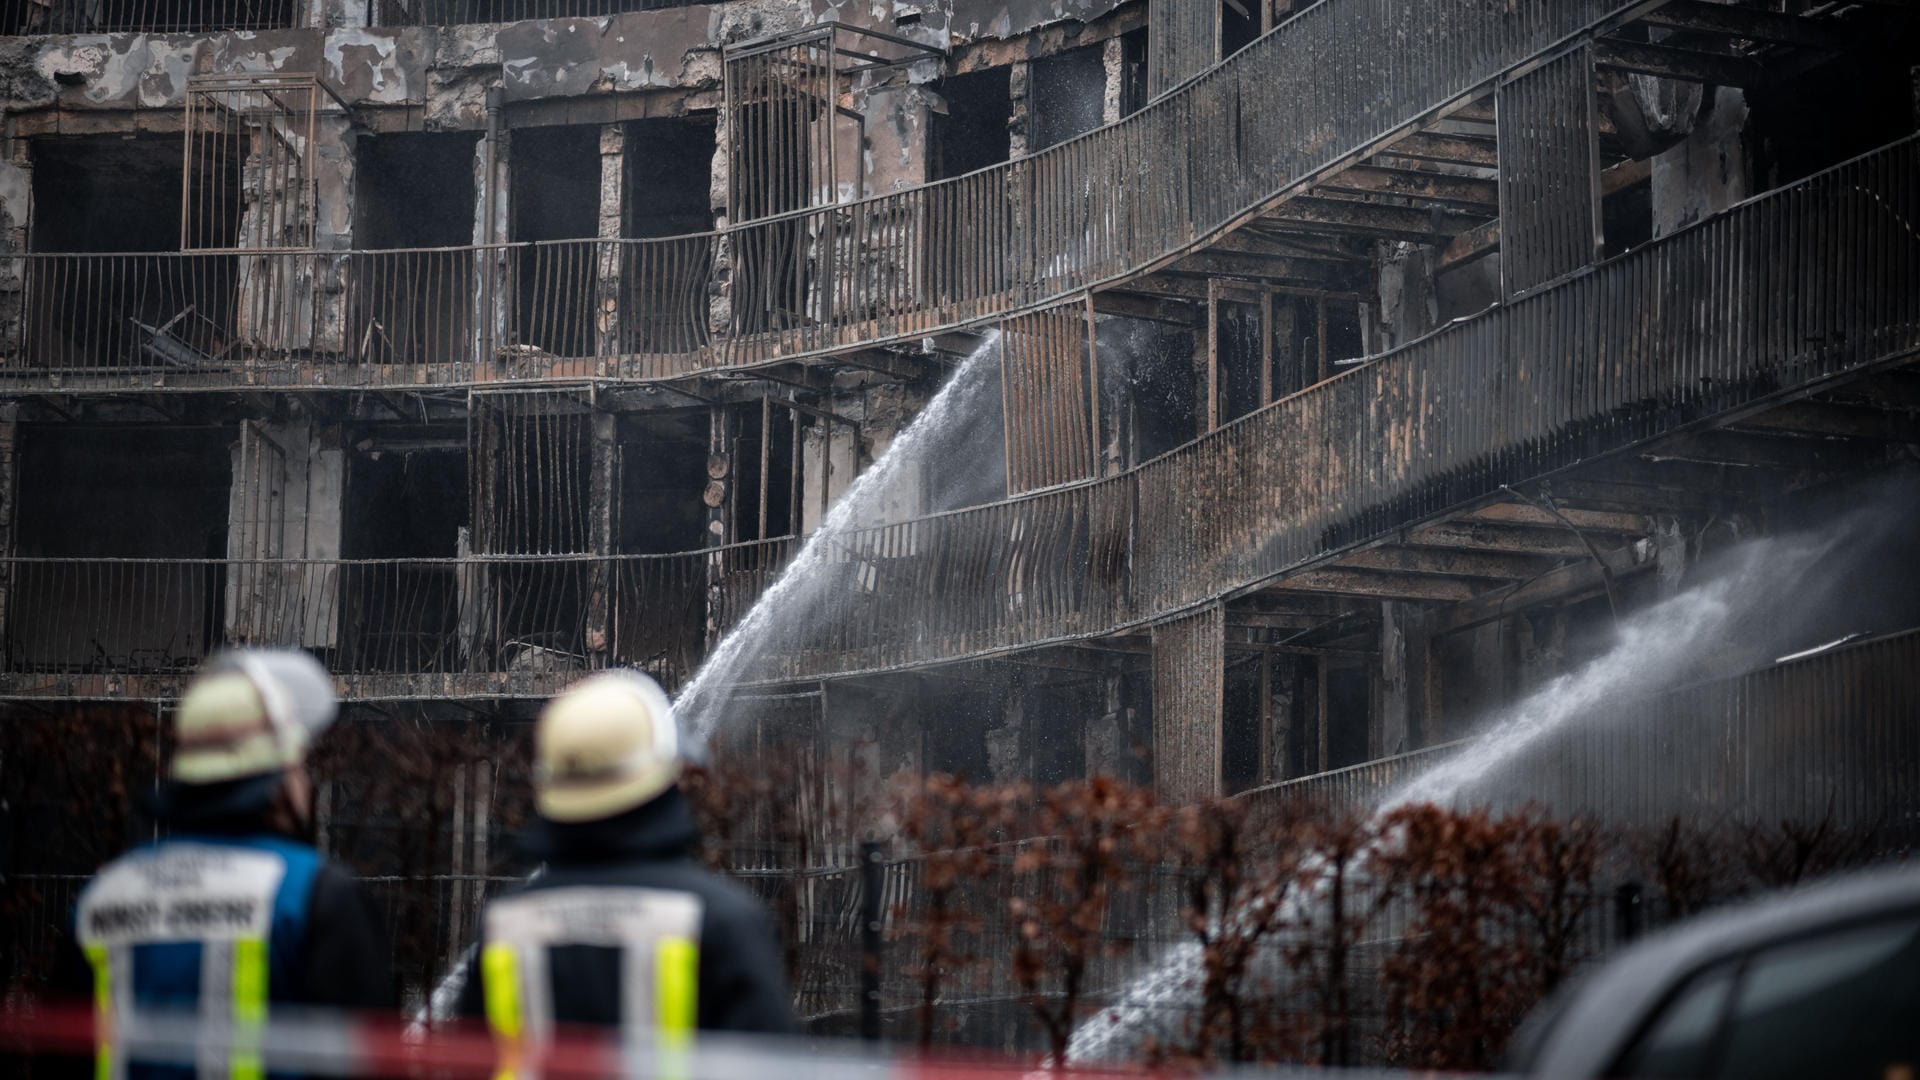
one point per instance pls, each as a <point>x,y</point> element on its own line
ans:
<point>873,870</point>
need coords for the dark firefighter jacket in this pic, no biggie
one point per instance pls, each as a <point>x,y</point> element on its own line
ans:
<point>323,945</point>
<point>741,981</point>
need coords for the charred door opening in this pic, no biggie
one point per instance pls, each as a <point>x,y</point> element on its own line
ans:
<point>973,132</point>
<point>152,493</point>
<point>765,505</point>
<point>1066,95</point>
<point>414,203</point>
<point>554,195</point>
<point>667,182</point>
<point>663,471</point>
<point>115,200</point>
<point>669,171</point>
<point>406,500</point>
<point>531,458</point>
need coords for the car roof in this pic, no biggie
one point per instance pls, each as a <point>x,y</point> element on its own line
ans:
<point>1613,1001</point>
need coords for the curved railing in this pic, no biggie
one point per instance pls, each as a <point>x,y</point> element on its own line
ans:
<point>1801,285</point>
<point>1805,284</point>
<point>1826,738</point>
<point>526,615</point>
<point>1323,88</point>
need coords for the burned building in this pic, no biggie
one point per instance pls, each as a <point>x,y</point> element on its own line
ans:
<point>1339,372</point>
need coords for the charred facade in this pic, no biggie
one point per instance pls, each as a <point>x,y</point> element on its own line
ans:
<point>1354,367</point>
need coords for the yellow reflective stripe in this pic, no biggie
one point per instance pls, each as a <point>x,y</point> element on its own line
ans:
<point>249,1007</point>
<point>102,965</point>
<point>500,979</point>
<point>250,979</point>
<point>676,988</point>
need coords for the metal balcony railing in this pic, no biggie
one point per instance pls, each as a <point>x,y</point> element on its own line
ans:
<point>1340,78</point>
<point>1786,290</point>
<point>20,17</point>
<point>1804,284</point>
<point>522,615</point>
<point>1825,738</point>
<point>382,317</point>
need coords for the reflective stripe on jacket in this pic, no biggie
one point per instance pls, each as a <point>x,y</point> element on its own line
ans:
<point>213,925</point>
<point>656,933</point>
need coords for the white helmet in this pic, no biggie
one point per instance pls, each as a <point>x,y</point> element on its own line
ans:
<point>250,713</point>
<point>604,746</point>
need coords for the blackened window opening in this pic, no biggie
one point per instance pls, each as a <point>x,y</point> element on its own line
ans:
<point>1067,95</point>
<point>1239,25</point>
<point>669,176</point>
<point>973,132</point>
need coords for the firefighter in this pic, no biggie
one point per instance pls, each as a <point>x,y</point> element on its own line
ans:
<point>233,911</point>
<point>623,929</point>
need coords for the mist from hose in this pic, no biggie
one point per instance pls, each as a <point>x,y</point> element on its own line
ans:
<point>806,593</point>
<point>1734,615</point>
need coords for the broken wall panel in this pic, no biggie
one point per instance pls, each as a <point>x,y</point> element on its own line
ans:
<point>1189,664</point>
<point>1549,171</point>
<point>1047,402</point>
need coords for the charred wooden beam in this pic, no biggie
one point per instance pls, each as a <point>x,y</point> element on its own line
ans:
<point>1477,111</point>
<point>1485,536</point>
<point>1254,240</point>
<point>1276,621</point>
<point>1153,309</point>
<point>1755,451</point>
<point>1278,268</point>
<point>1484,239</point>
<point>1746,23</point>
<point>1888,390</point>
<point>1348,216</point>
<point>1687,65</point>
<point>1162,285</point>
<point>1613,496</point>
<point>1466,192</point>
<point>1720,484</point>
<point>1444,562</point>
<point>1836,421</point>
<point>1481,240</point>
<point>1448,149</point>
<point>1587,521</point>
<point>1570,582</point>
<point>1383,586</point>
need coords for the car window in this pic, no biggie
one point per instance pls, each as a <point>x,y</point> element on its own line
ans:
<point>1680,1041</point>
<point>1839,1005</point>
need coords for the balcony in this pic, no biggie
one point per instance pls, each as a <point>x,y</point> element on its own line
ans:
<point>501,626</point>
<point>1013,238</point>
